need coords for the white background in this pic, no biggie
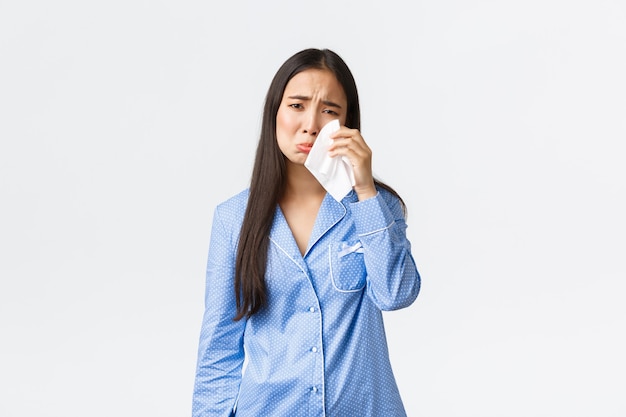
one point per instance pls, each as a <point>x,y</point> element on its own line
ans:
<point>501,123</point>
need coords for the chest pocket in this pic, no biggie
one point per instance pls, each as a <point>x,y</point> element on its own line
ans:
<point>347,267</point>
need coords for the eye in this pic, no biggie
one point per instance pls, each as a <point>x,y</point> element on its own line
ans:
<point>296,106</point>
<point>332,112</point>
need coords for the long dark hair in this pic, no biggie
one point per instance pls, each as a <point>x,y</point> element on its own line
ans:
<point>269,173</point>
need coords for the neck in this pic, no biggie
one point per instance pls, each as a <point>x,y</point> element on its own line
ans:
<point>301,183</point>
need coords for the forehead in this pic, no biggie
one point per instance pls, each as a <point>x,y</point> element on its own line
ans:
<point>315,82</point>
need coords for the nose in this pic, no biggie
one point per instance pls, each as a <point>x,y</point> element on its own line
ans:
<point>312,124</point>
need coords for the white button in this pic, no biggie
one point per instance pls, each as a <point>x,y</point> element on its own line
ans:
<point>312,309</point>
<point>314,389</point>
<point>313,349</point>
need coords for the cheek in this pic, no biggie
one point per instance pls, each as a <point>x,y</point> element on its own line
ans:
<point>283,131</point>
<point>285,123</point>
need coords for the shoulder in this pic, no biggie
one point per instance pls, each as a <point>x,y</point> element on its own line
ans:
<point>388,197</point>
<point>386,194</point>
<point>238,200</point>
<point>392,202</point>
<point>231,211</point>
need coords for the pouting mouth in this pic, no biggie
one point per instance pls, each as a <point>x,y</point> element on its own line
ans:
<point>304,147</point>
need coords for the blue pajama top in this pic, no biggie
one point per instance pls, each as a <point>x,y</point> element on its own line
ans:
<point>318,347</point>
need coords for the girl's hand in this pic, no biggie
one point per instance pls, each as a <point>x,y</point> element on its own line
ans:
<point>349,143</point>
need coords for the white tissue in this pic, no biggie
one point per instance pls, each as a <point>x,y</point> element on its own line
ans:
<point>335,174</point>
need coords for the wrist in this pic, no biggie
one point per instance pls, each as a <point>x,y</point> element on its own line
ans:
<point>366,192</point>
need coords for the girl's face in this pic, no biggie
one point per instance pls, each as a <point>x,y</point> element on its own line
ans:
<point>311,99</point>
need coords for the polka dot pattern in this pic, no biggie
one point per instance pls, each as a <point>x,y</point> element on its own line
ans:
<point>318,348</point>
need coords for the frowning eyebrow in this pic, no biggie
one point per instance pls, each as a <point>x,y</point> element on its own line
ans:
<point>306,98</point>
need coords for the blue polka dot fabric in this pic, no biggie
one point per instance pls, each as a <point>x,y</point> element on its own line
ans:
<point>318,348</point>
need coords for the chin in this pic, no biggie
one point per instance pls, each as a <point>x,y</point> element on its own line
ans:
<point>296,160</point>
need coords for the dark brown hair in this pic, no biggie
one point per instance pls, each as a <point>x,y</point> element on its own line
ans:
<point>268,175</point>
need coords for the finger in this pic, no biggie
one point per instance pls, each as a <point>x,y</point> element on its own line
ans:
<point>349,147</point>
<point>345,132</point>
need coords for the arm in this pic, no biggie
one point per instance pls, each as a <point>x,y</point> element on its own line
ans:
<point>220,351</point>
<point>392,278</point>
<point>393,281</point>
